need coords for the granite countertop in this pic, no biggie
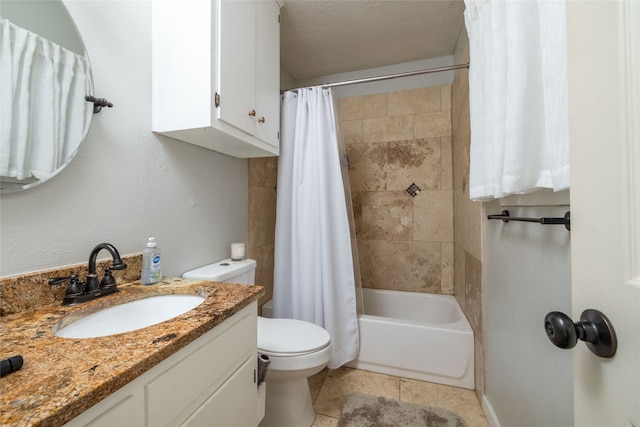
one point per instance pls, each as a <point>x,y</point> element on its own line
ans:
<point>63,377</point>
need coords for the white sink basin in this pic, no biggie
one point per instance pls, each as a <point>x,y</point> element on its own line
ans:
<point>130,316</point>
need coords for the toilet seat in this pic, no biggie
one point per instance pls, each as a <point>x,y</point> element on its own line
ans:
<point>290,337</point>
<point>293,346</point>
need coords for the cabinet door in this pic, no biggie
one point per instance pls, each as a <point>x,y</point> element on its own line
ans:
<point>234,404</point>
<point>237,63</point>
<point>181,388</point>
<point>268,72</point>
<point>123,408</point>
<point>122,414</point>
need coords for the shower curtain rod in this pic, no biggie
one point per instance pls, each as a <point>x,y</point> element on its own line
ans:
<point>389,76</point>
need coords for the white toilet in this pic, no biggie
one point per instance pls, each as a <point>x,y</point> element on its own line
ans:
<point>296,349</point>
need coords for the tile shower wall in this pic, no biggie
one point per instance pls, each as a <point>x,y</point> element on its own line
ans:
<point>263,178</point>
<point>468,215</point>
<point>400,167</point>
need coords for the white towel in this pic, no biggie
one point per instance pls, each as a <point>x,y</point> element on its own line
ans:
<point>44,113</point>
<point>518,97</point>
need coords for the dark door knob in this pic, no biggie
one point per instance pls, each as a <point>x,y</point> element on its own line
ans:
<point>594,328</point>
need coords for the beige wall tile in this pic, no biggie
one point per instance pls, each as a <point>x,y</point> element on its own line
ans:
<point>414,101</point>
<point>383,215</point>
<point>373,263</point>
<point>473,294</point>
<point>461,128</point>
<point>362,107</point>
<point>416,128</point>
<point>264,256</point>
<point>351,131</point>
<point>467,223</point>
<point>432,125</point>
<point>460,89</point>
<point>458,279</point>
<point>446,163</point>
<point>461,145</point>
<point>367,166</point>
<point>446,97</point>
<point>448,268</point>
<point>460,172</point>
<point>414,161</point>
<point>433,216</point>
<point>375,106</point>
<point>263,172</point>
<point>262,215</point>
<point>414,266</point>
<point>478,339</point>
<point>396,128</point>
<point>262,220</point>
<point>350,108</point>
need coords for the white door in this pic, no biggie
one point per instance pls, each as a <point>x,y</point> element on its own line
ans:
<point>604,110</point>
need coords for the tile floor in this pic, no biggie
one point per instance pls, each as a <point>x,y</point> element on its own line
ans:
<point>329,387</point>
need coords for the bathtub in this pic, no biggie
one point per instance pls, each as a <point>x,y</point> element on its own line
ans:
<point>415,335</point>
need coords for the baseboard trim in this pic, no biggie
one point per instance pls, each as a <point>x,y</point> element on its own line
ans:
<point>492,418</point>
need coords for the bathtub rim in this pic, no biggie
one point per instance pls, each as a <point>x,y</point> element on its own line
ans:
<point>461,325</point>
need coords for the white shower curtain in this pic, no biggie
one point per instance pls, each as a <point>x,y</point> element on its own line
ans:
<point>314,271</point>
<point>518,97</point>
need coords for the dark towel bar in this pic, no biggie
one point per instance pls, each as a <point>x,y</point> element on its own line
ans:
<point>505,217</point>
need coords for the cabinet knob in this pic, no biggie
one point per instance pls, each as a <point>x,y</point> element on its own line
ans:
<point>261,120</point>
<point>252,113</point>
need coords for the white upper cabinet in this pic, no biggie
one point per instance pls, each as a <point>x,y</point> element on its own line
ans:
<point>268,75</point>
<point>216,74</point>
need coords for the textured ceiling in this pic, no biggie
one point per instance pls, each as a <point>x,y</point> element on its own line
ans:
<point>334,36</point>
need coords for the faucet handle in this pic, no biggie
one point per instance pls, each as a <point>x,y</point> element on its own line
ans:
<point>57,280</point>
<point>74,288</point>
<point>108,280</point>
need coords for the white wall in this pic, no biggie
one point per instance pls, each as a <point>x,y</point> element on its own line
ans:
<point>527,273</point>
<point>126,183</point>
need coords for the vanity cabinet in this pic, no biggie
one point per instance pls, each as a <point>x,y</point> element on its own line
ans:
<point>211,381</point>
<point>216,74</point>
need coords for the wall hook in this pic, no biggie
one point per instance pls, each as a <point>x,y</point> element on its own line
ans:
<point>98,103</point>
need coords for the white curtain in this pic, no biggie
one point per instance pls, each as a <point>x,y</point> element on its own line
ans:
<point>44,115</point>
<point>314,271</point>
<point>518,97</point>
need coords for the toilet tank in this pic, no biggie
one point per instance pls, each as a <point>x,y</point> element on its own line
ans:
<point>241,272</point>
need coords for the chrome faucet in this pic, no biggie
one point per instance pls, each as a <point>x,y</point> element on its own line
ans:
<point>78,292</point>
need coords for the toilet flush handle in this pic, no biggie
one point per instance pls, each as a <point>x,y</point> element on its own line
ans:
<point>594,328</point>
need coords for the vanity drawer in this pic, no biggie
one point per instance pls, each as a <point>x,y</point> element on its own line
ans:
<point>177,392</point>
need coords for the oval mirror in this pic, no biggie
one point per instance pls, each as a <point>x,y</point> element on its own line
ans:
<point>45,76</point>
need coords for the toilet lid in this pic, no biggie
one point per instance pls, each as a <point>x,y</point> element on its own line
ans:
<point>290,336</point>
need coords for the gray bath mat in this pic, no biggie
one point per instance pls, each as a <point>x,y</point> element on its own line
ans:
<point>363,410</point>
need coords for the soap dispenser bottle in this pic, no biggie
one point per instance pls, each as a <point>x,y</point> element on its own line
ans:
<point>151,267</point>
